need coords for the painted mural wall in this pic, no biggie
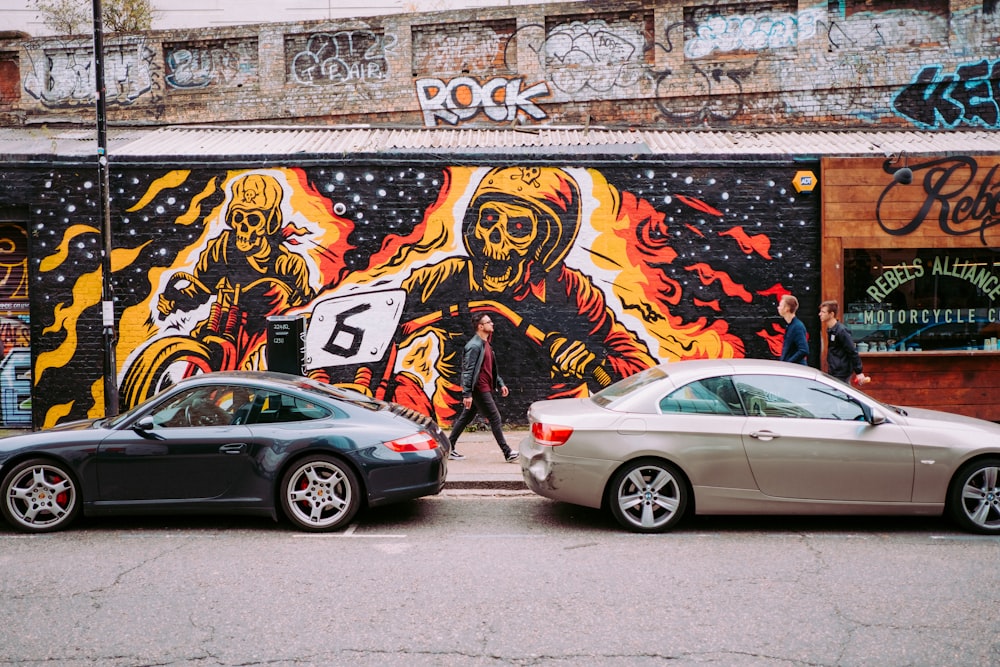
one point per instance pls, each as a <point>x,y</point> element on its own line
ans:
<point>590,272</point>
<point>927,64</point>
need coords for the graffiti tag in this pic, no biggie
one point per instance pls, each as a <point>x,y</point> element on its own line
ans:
<point>751,33</point>
<point>462,98</point>
<point>342,57</point>
<point>65,77</point>
<point>198,67</point>
<point>969,96</point>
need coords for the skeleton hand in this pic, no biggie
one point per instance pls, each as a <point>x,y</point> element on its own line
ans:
<point>183,292</point>
<point>570,357</point>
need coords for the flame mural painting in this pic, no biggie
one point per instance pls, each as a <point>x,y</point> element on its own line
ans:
<point>590,274</point>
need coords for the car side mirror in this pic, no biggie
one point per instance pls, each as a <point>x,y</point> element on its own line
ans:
<point>870,415</point>
<point>144,424</point>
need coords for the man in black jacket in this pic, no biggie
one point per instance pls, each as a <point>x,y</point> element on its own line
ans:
<point>842,358</point>
<point>480,379</point>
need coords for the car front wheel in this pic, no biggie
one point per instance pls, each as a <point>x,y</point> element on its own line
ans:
<point>974,499</point>
<point>39,496</point>
<point>648,496</point>
<point>320,494</point>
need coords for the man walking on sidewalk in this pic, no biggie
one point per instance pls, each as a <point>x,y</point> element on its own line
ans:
<point>479,380</point>
<point>842,358</point>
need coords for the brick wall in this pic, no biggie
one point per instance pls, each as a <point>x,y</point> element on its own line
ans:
<point>590,272</point>
<point>765,63</point>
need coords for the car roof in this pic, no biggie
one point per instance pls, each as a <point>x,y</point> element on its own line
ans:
<point>702,367</point>
<point>679,373</point>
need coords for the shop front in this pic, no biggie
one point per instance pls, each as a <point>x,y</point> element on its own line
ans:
<point>910,252</point>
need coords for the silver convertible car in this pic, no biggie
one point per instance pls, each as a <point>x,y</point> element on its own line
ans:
<point>743,436</point>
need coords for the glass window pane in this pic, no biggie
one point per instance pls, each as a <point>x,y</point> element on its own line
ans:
<point>898,299</point>
<point>714,396</point>
<point>778,396</point>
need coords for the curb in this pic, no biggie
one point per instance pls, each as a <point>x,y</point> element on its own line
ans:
<point>511,482</point>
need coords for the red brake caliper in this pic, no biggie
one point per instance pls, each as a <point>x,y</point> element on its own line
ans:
<point>62,497</point>
<point>303,485</point>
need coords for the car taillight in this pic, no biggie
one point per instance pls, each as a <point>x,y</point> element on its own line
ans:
<point>550,435</point>
<point>413,443</point>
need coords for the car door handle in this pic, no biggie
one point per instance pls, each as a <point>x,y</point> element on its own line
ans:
<point>233,448</point>
<point>764,435</point>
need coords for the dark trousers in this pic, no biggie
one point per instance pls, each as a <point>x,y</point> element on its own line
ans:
<point>481,402</point>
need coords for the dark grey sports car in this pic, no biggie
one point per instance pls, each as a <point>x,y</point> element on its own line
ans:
<point>227,443</point>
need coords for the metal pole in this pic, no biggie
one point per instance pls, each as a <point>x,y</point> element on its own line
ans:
<point>107,291</point>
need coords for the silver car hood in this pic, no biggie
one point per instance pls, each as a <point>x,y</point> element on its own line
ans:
<point>914,417</point>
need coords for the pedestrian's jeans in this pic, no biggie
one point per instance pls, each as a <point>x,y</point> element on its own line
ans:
<point>481,402</point>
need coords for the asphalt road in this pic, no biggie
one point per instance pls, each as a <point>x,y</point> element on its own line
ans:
<point>473,578</point>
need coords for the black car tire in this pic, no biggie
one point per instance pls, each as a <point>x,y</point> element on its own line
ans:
<point>320,493</point>
<point>974,496</point>
<point>39,496</point>
<point>648,496</point>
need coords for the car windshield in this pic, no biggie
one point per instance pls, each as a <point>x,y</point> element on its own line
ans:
<point>632,383</point>
<point>113,422</point>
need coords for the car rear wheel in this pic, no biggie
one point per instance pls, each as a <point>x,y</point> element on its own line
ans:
<point>39,496</point>
<point>320,493</point>
<point>648,496</point>
<point>974,499</point>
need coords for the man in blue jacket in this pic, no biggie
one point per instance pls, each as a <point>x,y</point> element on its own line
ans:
<point>795,347</point>
<point>480,378</point>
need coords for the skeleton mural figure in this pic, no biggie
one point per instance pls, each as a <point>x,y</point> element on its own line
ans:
<point>517,230</point>
<point>251,249</point>
<point>246,273</point>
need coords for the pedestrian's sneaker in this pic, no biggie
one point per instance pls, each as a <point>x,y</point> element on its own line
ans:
<point>455,456</point>
<point>512,456</point>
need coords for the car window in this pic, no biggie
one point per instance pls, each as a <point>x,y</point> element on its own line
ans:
<point>270,407</point>
<point>210,405</point>
<point>711,396</point>
<point>632,383</point>
<point>780,396</point>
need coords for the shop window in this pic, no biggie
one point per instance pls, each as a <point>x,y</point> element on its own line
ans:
<point>899,299</point>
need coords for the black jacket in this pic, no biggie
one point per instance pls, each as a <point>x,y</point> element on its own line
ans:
<point>842,357</point>
<point>472,363</point>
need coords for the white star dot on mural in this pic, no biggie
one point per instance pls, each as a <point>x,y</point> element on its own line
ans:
<point>369,178</point>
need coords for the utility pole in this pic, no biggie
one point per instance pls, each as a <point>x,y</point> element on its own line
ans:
<point>107,291</point>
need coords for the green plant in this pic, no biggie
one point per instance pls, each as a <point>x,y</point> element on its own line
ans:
<point>71,17</point>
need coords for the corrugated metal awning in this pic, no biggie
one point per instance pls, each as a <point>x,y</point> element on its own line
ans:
<point>539,142</point>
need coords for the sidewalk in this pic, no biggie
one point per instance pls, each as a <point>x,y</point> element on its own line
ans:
<point>484,466</point>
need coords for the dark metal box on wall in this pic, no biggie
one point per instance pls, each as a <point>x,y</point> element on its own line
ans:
<point>285,343</point>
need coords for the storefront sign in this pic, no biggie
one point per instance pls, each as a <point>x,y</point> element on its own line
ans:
<point>960,194</point>
<point>979,274</point>
<point>923,299</point>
